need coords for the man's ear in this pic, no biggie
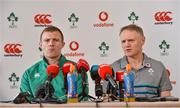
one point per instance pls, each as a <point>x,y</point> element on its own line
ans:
<point>143,40</point>
<point>63,44</point>
<point>40,46</point>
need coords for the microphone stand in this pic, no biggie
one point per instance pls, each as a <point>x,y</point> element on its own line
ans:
<point>111,91</point>
<point>48,90</point>
<point>84,94</point>
<point>98,91</point>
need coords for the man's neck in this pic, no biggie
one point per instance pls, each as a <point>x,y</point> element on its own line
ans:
<point>53,60</point>
<point>136,61</point>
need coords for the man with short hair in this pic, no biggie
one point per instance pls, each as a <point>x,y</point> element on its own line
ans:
<point>151,79</point>
<point>51,43</point>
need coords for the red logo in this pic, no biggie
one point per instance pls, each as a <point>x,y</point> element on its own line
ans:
<point>42,19</point>
<point>74,45</point>
<point>13,49</point>
<point>163,16</point>
<point>103,16</point>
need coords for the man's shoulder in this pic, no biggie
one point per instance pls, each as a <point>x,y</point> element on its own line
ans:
<point>154,62</point>
<point>64,60</point>
<point>117,65</point>
<point>117,61</point>
<point>35,66</point>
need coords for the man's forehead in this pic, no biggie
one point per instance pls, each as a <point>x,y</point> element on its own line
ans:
<point>54,34</point>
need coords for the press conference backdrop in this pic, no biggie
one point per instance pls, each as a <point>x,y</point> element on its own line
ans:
<point>91,30</point>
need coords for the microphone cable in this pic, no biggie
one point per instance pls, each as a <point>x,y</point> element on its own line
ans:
<point>6,101</point>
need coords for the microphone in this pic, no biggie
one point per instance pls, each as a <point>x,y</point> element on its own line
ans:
<point>83,67</point>
<point>46,90</point>
<point>21,98</point>
<point>120,79</point>
<point>68,67</point>
<point>52,71</point>
<point>105,72</point>
<point>95,76</point>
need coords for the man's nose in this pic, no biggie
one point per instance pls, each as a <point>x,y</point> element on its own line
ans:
<point>51,42</point>
<point>127,44</point>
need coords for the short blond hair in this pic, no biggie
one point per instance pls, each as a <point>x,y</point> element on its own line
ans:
<point>133,27</point>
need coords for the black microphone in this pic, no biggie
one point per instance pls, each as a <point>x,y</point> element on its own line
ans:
<point>106,73</point>
<point>95,76</point>
<point>83,67</point>
<point>42,91</point>
<point>52,71</point>
<point>45,91</point>
<point>21,98</point>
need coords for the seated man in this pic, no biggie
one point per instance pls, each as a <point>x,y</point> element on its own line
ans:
<point>51,44</point>
<point>151,79</point>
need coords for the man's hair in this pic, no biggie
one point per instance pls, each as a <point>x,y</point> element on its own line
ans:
<point>133,27</point>
<point>52,29</point>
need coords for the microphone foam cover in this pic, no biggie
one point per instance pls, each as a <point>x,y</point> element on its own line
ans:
<point>68,67</point>
<point>82,64</point>
<point>119,76</point>
<point>94,72</point>
<point>52,70</point>
<point>103,70</point>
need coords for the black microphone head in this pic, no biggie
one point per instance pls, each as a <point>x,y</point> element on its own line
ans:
<point>21,98</point>
<point>94,72</point>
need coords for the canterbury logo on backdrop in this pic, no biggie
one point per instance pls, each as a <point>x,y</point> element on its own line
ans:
<point>42,19</point>
<point>163,16</point>
<point>13,48</point>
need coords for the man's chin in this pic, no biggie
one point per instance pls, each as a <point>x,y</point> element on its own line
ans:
<point>53,56</point>
<point>129,55</point>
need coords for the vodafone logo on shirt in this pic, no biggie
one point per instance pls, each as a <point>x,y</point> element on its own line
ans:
<point>13,49</point>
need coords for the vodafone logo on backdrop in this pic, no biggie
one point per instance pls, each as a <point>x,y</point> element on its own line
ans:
<point>42,19</point>
<point>74,46</point>
<point>163,17</point>
<point>103,17</point>
<point>13,49</point>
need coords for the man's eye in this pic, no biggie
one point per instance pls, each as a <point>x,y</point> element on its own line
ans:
<point>131,40</point>
<point>123,41</point>
<point>46,40</point>
<point>56,40</point>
